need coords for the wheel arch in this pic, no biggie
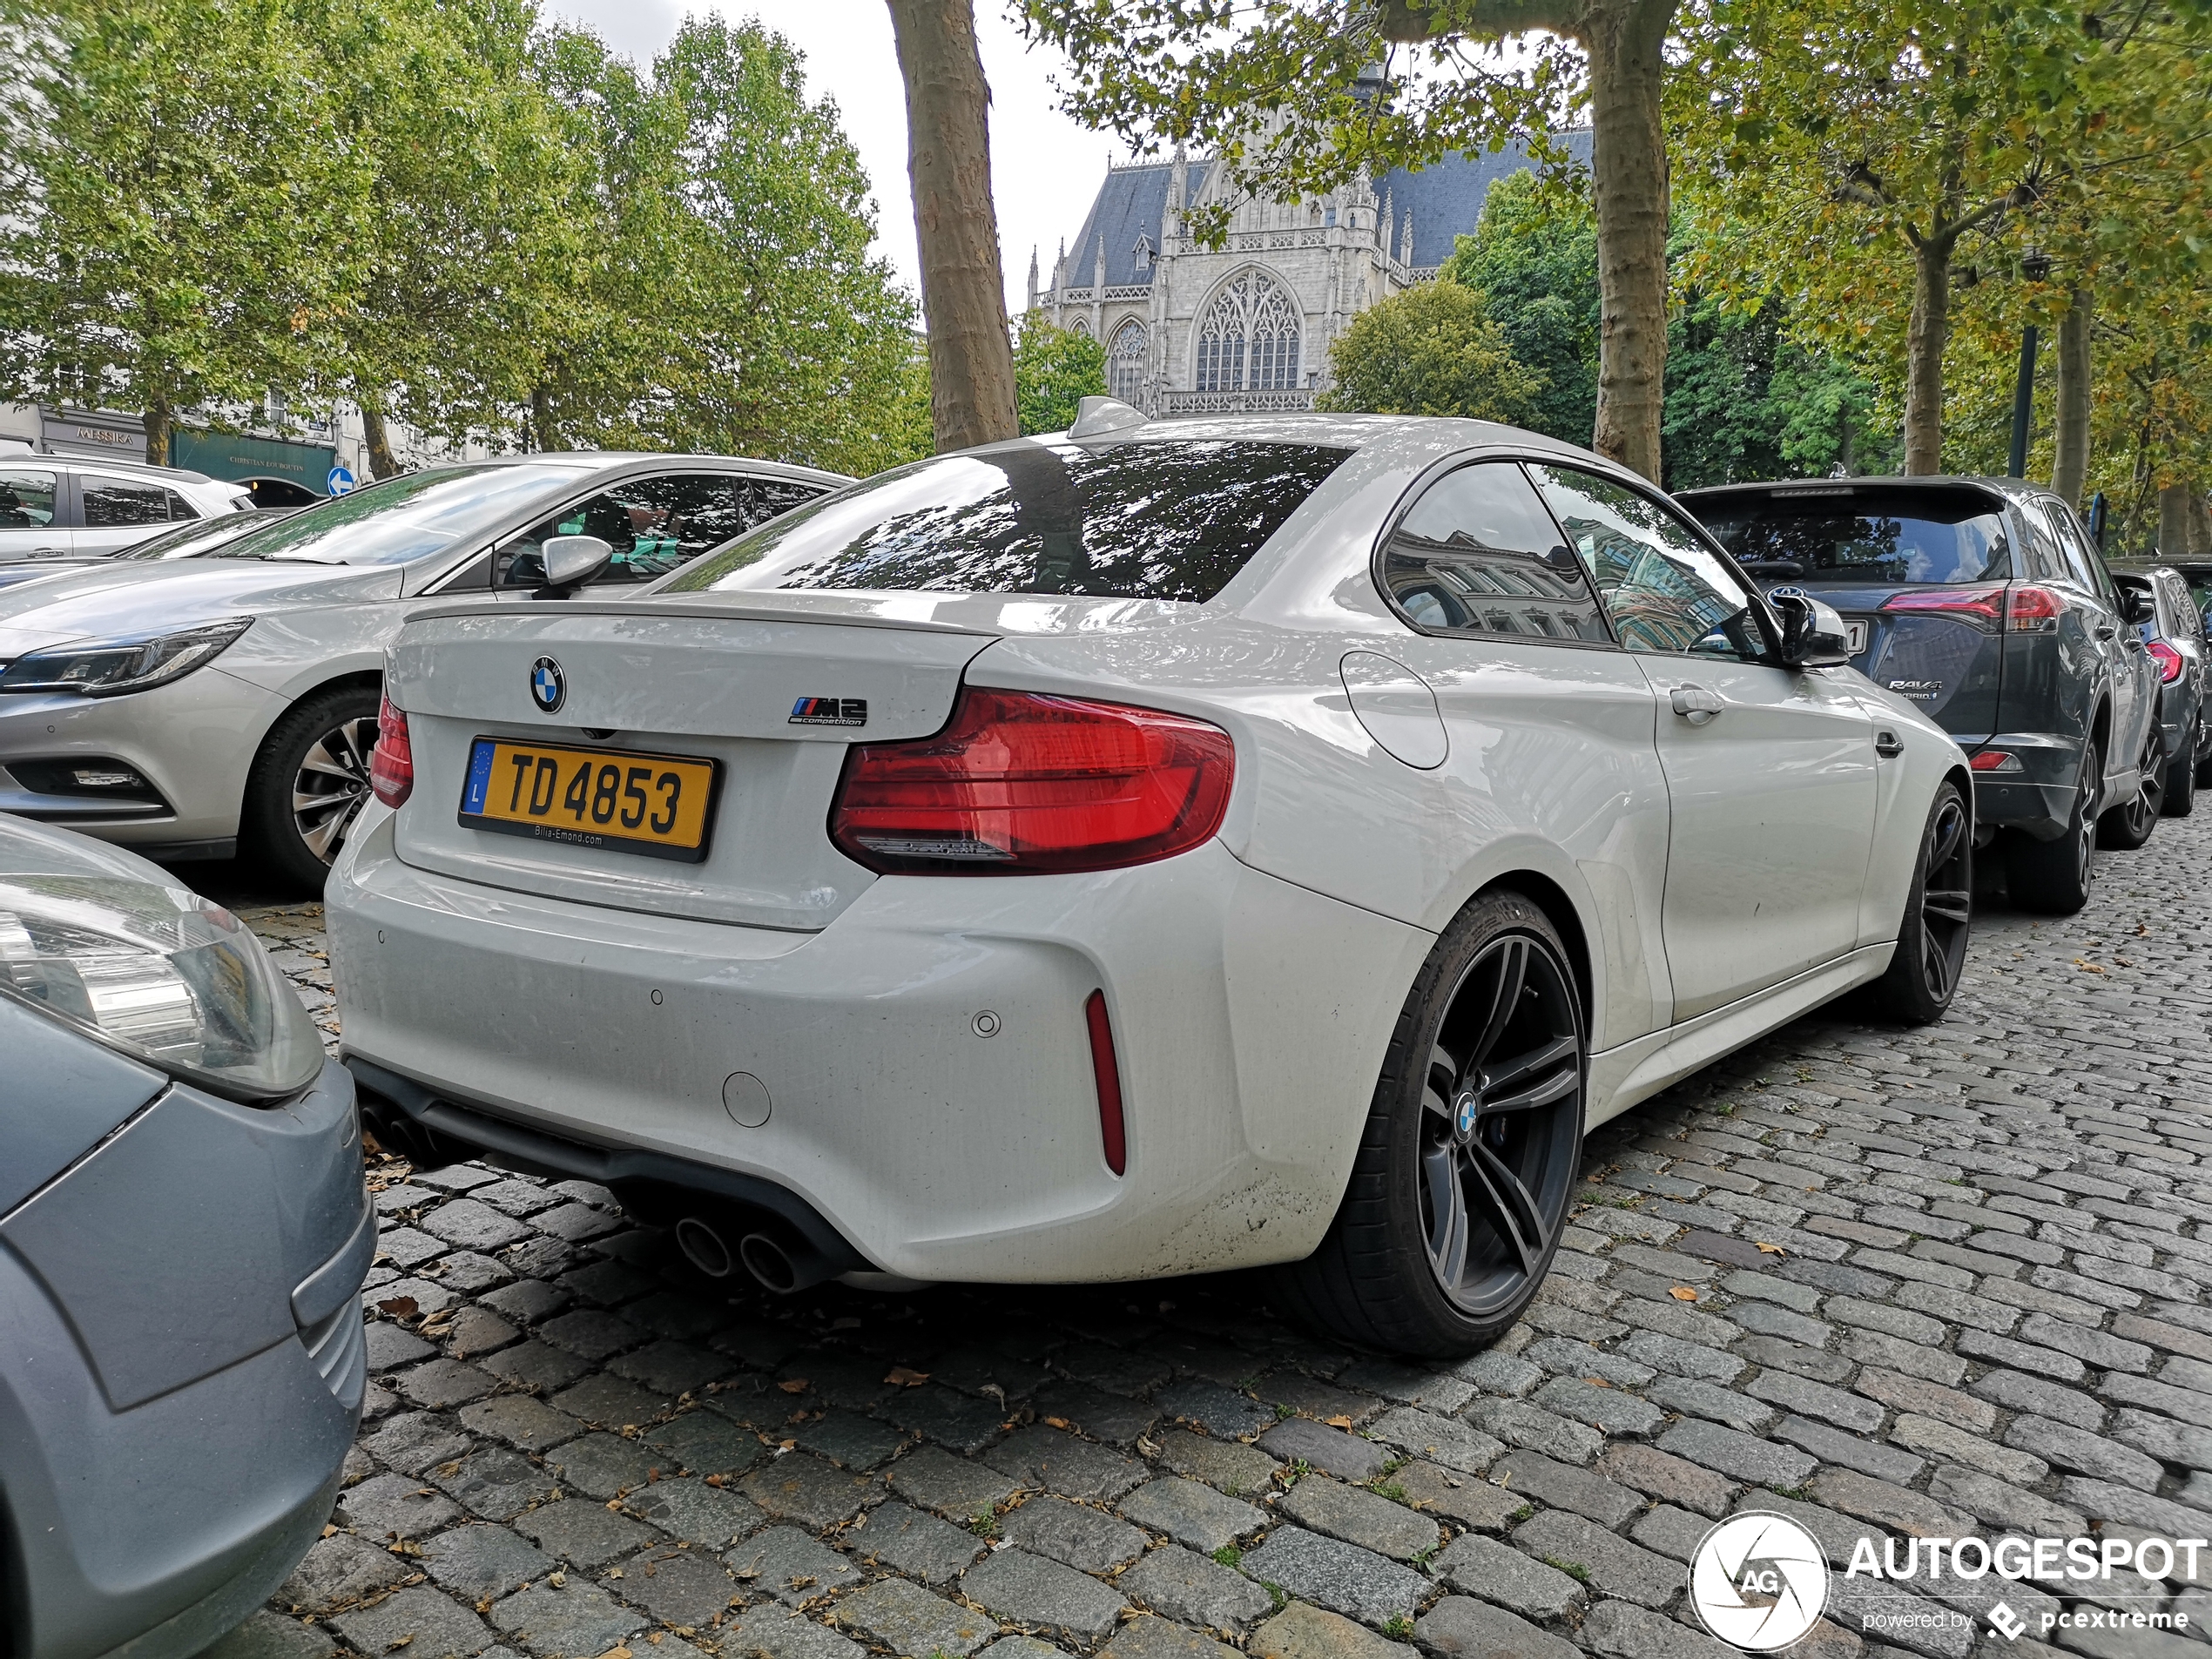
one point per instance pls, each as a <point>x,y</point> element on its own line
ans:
<point>358,679</point>
<point>1560,910</point>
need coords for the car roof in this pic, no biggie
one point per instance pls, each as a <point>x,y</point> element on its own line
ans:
<point>607,460</point>
<point>2013,489</point>
<point>118,463</point>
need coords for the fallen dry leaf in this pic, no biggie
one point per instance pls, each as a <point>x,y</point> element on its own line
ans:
<point>1772,1249</point>
<point>714,1479</point>
<point>1683,1294</point>
<point>1597,1382</point>
<point>907,1379</point>
<point>1338,1421</point>
<point>399,1307</point>
<point>328,1531</point>
<point>794,1385</point>
<point>2087,967</point>
<point>557,1580</point>
<point>616,1651</point>
<point>1059,1422</point>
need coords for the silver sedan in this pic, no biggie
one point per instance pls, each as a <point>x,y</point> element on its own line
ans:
<point>197,706</point>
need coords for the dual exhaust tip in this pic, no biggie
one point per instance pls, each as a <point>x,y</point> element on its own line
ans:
<point>706,1244</point>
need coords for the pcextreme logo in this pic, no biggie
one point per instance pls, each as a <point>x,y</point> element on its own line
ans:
<point>1759,1582</point>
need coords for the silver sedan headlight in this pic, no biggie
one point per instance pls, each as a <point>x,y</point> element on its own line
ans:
<point>161,975</point>
<point>111,667</point>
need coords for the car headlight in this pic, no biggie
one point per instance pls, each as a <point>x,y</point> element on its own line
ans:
<point>161,975</point>
<point>110,667</point>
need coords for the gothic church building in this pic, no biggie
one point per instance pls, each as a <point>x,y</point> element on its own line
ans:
<point>1191,330</point>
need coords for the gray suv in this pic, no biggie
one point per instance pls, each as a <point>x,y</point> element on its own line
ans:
<point>57,507</point>
<point>1982,601</point>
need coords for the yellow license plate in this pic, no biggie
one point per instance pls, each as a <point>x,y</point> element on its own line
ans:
<point>661,806</point>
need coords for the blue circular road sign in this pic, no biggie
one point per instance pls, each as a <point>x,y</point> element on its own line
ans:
<point>340,480</point>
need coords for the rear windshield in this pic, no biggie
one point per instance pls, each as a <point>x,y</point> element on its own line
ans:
<point>1166,520</point>
<point>404,518</point>
<point>1930,537</point>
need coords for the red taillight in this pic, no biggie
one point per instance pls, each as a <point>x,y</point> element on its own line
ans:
<point>2170,662</point>
<point>2036,609</point>
<point>1987,603</point>
<point>1995,760</point>
<point>1020,784</point>
<point>1106,1072</point>
<point>391,764</point>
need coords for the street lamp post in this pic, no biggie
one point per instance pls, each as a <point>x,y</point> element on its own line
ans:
<point>2036,266</point>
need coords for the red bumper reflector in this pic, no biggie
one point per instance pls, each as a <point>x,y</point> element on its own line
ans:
<point>391,763</point>
<point>1995,760</point>
<point>1107,1071</point>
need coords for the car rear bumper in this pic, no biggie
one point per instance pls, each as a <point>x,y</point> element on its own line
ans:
<point>924,1062</point>
<point>2038,800</point>
<point>183,1370</point>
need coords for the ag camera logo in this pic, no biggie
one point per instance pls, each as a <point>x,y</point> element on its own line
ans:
<point>1759,1582</point>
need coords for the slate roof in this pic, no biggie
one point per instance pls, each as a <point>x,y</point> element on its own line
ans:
<point>1445,199</point>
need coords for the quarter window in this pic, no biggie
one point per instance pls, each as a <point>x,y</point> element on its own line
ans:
<point>1478,554</point>
<point>1663,588</point>
<point>27,497</point>
<point>2083,563</point>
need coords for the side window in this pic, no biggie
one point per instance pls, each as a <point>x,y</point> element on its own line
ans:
<point>1664,589</point>
<point>2083,567</point>
<point>653,524</point>
<point>1478,554</point>
<point>28,498</point>
<point>114,503</point>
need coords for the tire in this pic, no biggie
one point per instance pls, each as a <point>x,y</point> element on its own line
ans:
<point>1459,1190</point>
<point>2180,775</point>
<point>2052,878</point>
<point>308,785</point>
<point>2127,825</point>
<point>1938,913</point>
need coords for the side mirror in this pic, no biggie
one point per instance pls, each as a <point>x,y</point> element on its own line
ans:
<point>1813,636</point>
<point>571,561</point>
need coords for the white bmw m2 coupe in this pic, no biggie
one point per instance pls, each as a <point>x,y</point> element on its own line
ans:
<point>1152,849</point>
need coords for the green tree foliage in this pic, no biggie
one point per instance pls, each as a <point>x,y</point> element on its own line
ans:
<point>190,222</point>
<point>1431,350</point>
<point>1053,370</point>
<point>1534,253</point>
<point>450,211</point>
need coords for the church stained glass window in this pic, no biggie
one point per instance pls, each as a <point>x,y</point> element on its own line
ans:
<point>1126,360</point>
<point>1249,339</point>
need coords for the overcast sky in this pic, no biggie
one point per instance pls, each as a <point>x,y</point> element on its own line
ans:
<point>1044,167</point>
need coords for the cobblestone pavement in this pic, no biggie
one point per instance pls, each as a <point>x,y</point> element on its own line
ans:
<point>1898,1286</point>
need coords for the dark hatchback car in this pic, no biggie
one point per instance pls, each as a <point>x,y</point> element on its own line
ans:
<point>1982,601</point>
<point>2175,638</point>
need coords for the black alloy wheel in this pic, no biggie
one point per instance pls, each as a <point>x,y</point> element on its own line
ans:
<point>309,783</point>
<point>2052,878</point>
<point>1938,915</point>
<point>2129,825</point>
<point>1465,1175</point>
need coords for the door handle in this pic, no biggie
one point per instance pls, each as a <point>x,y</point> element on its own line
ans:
<point>1888,745</point>
<point>1696,704</point>
<point>2107,630</point>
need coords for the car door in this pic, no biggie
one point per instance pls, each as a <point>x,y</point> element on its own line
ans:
<point>114,512</point>
<point>33,515</point>
<point>654,523</point>
<point>2128,671</point>
<point>1770,773</point>
<point>1546,722</point>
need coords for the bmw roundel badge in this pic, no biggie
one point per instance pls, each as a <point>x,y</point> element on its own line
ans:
<point>547,687</point>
